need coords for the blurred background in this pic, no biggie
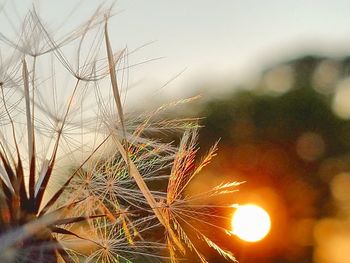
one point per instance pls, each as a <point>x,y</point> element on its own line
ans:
<point>275,83</point>
<point>288,137</point>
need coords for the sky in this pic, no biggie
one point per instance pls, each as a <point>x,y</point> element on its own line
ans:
<point>206,41</point>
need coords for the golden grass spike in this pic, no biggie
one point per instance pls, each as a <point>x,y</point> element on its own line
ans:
<point>226,254</point>
<point>205,161</point>
<point>127,232</point>
<point>172,254</point>
<point>183,165</point>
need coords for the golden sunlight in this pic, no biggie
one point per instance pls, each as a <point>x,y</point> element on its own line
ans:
<point>250,223</point>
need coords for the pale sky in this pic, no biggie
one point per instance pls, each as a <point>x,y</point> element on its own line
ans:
<point>213,40</point>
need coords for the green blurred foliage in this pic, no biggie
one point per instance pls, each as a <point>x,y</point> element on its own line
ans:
<point>288,145</point>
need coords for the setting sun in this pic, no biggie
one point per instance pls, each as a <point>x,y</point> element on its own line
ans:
<point>250,223</point>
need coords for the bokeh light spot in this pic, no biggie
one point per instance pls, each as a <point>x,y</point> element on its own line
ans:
<point>310,146</point>
<point>340,186</point>
<point>341,105</point>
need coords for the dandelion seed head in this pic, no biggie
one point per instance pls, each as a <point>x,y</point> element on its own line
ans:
<point>76,168</point>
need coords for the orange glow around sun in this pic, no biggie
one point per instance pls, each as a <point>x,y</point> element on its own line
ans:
<point>250,223</point>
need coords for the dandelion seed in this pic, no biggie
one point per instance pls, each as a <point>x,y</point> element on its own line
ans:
<point>75,168</point>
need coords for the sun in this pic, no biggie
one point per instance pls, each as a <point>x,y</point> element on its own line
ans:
<point>250,223</point>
